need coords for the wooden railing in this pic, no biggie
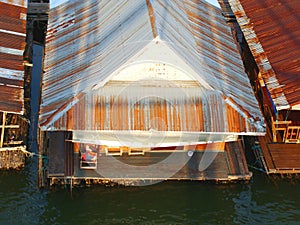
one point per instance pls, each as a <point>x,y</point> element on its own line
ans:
<point>3,126</point>
<point>287,133</point>
<point>292,134</point>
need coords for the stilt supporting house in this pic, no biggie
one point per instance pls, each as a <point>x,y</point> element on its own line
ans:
<point>37,16</point>
<point>12,150</point>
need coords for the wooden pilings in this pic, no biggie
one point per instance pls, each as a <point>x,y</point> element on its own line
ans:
<point>12,138</point>
<point>3,129</point>
<point>12,158</point>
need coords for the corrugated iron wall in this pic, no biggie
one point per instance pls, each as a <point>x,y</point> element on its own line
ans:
<point>12,45</point>
<point>201,112</point>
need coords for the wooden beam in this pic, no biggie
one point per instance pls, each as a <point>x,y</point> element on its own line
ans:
<point>12,126</point>
<point>3,129</point>
<point>282,122</point>
<point>38,8</point>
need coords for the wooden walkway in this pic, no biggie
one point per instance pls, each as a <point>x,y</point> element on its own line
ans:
<point>286,156</point>
<point>203,165</point>
<point>280,158</point>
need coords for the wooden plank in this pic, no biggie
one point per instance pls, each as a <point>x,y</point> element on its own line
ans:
<point>234,164</point>
<point>12,157</point>
<point>153,165</point>
<point>285,156</point>
<point>3,128</point>
<point>11,143</point>
<point>211,146</point>
<point>282,122</point>
<point>69,157</point>
<point>236,158</point>
<point>12,126</point>
<point>114,151</point>
<point>56,153</point>
<point>293,134</point>
<point>230,161</point>
<point>267,156</point>
<point>242,157</point>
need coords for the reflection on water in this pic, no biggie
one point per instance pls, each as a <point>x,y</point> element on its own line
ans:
<point>268,202</point>
<point>262,201</point>
<point>20,200</point>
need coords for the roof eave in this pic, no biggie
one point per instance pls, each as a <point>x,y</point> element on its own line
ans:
<point>260,56</point>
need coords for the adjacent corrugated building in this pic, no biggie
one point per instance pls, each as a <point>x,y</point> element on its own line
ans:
<point>272,30</point>
<point>13,15</point>
<point>12,45</point>
<point>271,51</point>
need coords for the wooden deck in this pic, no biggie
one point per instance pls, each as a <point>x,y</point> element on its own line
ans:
<point>285,156</point>
<point>280,158</point>
<point>186,164</point>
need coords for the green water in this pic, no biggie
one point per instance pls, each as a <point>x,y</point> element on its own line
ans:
<point>263,201</point>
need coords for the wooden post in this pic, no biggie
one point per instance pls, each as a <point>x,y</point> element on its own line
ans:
<point>2,129</point>
<point>273,129</point>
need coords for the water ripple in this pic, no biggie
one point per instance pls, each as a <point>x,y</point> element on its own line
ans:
<point>260,202</point>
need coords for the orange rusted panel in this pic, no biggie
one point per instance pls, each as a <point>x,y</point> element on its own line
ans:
<point>182,113</point>
<point>211,146</point>
<point>272,30</point>
<point>12,46</point>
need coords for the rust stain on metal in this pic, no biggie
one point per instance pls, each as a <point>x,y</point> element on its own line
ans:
<point>11,62</point>
<point>12,17</point>
<point>121,113</point>
<point>12,45</point>
<point>152,18</point>
<point>272,30</point>
<point>87,44</point>
<point>12,41</point>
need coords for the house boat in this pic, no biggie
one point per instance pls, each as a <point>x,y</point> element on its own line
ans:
<point>13,126</point>
<point>269,35</point>
<point>144,90</point>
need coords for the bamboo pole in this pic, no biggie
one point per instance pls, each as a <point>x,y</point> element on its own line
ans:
<point>3,128</point>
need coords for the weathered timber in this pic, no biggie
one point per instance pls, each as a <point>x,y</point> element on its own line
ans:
<point>226,165</point>
<point>12,157</point>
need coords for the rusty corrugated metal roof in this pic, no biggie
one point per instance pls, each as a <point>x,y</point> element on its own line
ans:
<point>272,30</point>
<point>20,3</point>
<point>12,45</point>
<point>90,43</point>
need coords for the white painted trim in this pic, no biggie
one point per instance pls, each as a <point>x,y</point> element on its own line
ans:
<point>296,107</point>
<point>12,32</point>
<point>11,51</point>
